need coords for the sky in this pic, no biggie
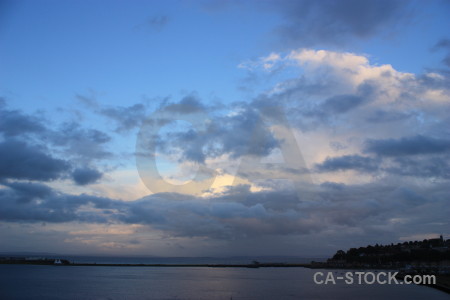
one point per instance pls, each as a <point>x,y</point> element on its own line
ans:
<point>223,128</point>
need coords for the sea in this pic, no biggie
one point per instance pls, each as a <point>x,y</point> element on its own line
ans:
<point>203,283</point>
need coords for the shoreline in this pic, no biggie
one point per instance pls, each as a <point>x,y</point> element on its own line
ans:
<point>442,281</point>
<point>252,265</point>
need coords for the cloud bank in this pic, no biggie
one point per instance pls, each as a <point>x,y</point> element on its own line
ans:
<point>375,141</point>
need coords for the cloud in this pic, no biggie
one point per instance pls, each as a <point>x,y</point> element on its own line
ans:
<point>153,23</point>
<point>413,145</point>
<point>85,176</point>
<point>337,96</point>
<point>127,118</point>
<point>444,44</point>
<point>88,101</point>
<point>54,208</point>
<point>238,214</point>
<point>80,143</point>
<point>267,63</point>
<point>346,113</point>
<point>344,90</point>
<point>30,147</point>
<point>15,123</point>
<point>348,162</point>
<point>333,83</point>
<point>71,138</point>
<point>187,105</point>
<point>175,214</point>
<point>19,160</point>
<point>216,136</point>
<point>354,69</point>
<point>28,191</point>
<point>342,103</point>
<point>369,108</point>
<point>158,22</point>
<point>429,167</point>
<point>383,116</point>
<point>328,22</point>
<point>309,23</point>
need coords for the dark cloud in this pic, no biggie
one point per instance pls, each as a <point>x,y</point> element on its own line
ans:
<point>88,101</point>
<point>342,103</point>
<point>127,118</point>
<point>215,135</point>
<point>158,22</point>
<point>437,79</point>
<point>54,207</point>
<point>74,132</point>
<point>429,167</point>
<point>28,191</point>
<point>333,185</point>
<point>383,116</point>
<point>422,167</point>
<point>70,138</point>
<point>85,176</point>
<point>332,107</point>
<point>348,162</point>
<point>12,211</point>
<point>29,146</point>
<point>243,133</point>
<point>19,160</point>
<point>187,105</point>
<point>81,143</point>
<point>414,145</point>
<point>237,213</point>
<point>444,44</point>
<point>311,104</point>
<point>310,22</point>
<point>153,23</point>
<point>15,123</point>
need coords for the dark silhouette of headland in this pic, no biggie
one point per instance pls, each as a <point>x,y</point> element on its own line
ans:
<point>427,257</point>
<point>430,256</point>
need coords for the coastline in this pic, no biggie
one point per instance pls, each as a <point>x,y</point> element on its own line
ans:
<point>442,281</point>
<point>252,265</point>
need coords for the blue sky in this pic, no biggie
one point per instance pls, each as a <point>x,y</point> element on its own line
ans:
<point>160,48</point>
<point>363,89</point>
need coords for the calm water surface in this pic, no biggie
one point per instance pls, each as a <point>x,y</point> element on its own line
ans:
<point>69,282</point>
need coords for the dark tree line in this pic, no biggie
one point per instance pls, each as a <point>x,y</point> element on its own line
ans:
<point>434,250</point>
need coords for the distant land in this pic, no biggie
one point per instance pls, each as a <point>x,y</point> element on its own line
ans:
<point>40,258</point>
<point>431,255</point>
<point>427,256</point>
